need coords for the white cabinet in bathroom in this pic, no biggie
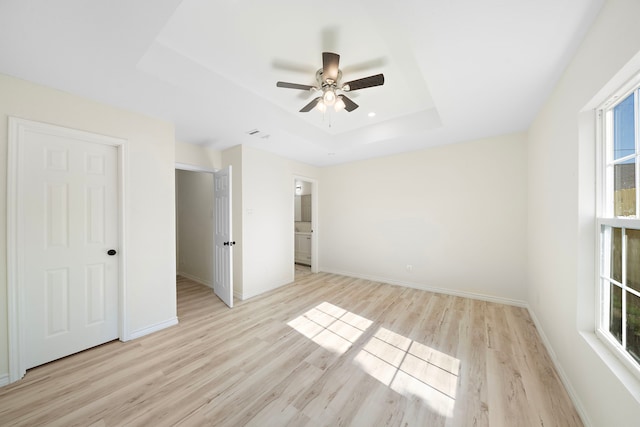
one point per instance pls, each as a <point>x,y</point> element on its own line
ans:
<point>303,248</point>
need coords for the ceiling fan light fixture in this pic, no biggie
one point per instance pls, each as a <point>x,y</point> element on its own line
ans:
<point>321,106</point>
<point>339,105</point>
<point>329,96</point>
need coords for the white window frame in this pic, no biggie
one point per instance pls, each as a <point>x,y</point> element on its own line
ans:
<point>606,218</point>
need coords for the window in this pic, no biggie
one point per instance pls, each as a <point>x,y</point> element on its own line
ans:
<point>619,226</point>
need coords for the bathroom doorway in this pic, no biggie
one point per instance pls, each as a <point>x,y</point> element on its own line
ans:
<point>305,225</point>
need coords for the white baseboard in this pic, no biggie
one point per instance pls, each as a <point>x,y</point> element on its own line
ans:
<point>4,380</point>
<point>446,291</point>
<point>195,279</point>
<point>563,376</point>
<point>153,328</point>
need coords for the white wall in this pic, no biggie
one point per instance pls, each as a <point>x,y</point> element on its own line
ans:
<point>194,225</point>
<point>455,213</point>
<point>199,156</point>
<point>149,211</point>
<point>561,230</point>
<point>266,215</point>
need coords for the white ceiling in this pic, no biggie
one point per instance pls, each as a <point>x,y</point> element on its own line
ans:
<point>454,70</point>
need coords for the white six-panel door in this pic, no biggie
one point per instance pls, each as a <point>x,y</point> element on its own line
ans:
<point>68,222</point>
<point>223,243</point>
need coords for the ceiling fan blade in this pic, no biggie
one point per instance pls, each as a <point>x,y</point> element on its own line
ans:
<point>349,105</point>
<point>311,105</point>
<point>294,86</point>
<point>365,82</point>
<point>330,64</point>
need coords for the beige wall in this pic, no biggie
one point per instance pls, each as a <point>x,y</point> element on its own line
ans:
<point>149,200</point>
<point>263,217</point>
<point>455,214</point>
<point>561,232</point>
<point>198,156</point>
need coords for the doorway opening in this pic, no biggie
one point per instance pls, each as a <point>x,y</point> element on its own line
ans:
<point>204,245</point>
<point>194,226</point>
<point>305,225</point>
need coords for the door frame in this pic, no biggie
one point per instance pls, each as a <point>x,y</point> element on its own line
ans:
<point>314,219</point>
<point>16,305</point>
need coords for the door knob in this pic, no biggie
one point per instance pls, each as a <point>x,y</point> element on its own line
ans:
<point>111,252</point>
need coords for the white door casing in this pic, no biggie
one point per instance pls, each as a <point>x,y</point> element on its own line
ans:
<point>64,199</point>
<point>223,243</point>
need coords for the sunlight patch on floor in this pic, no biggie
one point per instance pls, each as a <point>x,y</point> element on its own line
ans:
<point>412,369</point>
<point>330,326</point>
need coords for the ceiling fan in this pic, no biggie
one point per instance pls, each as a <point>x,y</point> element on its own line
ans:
<point>329,82</point>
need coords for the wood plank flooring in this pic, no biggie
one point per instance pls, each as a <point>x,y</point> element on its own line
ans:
<point>327,350</point>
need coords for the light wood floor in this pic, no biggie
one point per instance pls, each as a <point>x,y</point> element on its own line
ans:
<point>327,350</point>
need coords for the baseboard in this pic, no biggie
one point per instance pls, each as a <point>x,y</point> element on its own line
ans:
<point>446,291</point>
<point>153,328</point>
<point>195,279</point>
<point>561,373</point>
<point>4,380</point>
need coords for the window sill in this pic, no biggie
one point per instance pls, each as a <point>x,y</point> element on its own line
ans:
<point>615,365</point>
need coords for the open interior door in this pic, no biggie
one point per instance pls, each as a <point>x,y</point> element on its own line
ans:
<point>223,251</point>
